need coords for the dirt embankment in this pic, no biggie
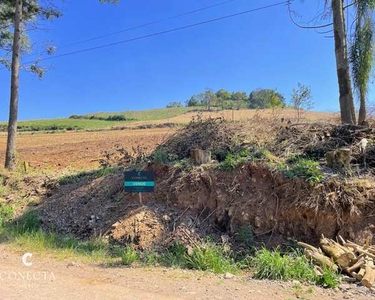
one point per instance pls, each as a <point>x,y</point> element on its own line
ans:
<point>187,205</point>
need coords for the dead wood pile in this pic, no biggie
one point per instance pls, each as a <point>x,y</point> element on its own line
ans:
<point>315,140</point>
<point>214,134</point>
<point>352,259</point>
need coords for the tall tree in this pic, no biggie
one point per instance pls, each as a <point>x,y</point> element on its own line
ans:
<point>15,14</point>
<point>265,98</point>
<point>361,52</point>
<point>223,96</point>
<point>342,64</point>
<point>10,160</point>
<point>346,101</point>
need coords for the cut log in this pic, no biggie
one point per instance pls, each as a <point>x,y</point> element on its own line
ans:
<point>369,278</point>
<point>359,249</point>
<point>361,273</point>
<point>200,157</point>
<point>340,255</point>
<point>307,246</point>
<point>360,263</point>
<point>321,259</point>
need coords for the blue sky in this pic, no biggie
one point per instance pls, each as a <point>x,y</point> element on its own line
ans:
<point>258,50</point>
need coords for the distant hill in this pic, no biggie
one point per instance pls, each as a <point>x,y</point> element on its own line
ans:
<point>178,115</point>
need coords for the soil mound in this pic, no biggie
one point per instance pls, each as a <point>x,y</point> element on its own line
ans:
<point>141,227</point>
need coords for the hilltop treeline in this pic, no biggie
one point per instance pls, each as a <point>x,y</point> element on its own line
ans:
<point>101,118</point>
<point>257,99</point>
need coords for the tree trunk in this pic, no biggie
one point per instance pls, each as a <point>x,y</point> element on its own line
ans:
<point>342,64</point>
<point>10,158</point>
<point>362,109</point>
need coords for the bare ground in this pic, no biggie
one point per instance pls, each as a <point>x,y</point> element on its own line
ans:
<point>72,280</point>
<point>79,150</point>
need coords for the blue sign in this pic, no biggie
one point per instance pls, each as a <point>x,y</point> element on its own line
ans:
<point>139,182</point>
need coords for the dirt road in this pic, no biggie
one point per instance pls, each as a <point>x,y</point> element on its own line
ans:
<point>54,279</point>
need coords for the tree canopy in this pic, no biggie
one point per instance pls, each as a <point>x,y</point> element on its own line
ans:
<point>266,98</point>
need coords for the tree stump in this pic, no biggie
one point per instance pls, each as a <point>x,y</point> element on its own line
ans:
<point>339,159</point>
<point>200,157</point>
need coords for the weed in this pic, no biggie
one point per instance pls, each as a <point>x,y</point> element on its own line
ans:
<point>184,164</point>
<point>150,257</point>
<point>307,169</point>
<point>329,278</point>
<point>6,213</point>
<point>274,265</point>
<point>231,162</point>
<point>211,257</point>
<point>174,255</point>
<point>160,156</point>
<point>245,235</point>
<point>27,223</point>
<point>262,154</point>
<point>129,256</point>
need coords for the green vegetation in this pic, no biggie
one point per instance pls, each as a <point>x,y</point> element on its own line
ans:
<point>210,257</point>
<point>99,120</point>
<point>129,256</point>
<point>109,118</point>
<point>233,160</point>
<point>6,213</point>
<point>266,98</point>
<point>246,235</point>
<point>273,265</point>
<point>305,168</point>
<point>163,157</point>
<point>149,115</point>
<point>61,124</point>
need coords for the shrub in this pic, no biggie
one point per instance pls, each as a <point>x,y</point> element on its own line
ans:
<point>116,118</point>
<point>160,156</point>
<point>245,235</point>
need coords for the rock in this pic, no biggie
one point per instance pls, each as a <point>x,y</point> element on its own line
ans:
<point>344,286</point>
<point>166,218</point>
<point>296,283</point>
<point>228,276</point>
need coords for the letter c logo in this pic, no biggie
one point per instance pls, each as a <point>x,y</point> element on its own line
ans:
<point>24,259</point>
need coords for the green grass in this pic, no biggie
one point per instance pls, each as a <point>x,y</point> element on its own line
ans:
<point>83,124</point>
<point>290,266</point>
<point>150,115</point>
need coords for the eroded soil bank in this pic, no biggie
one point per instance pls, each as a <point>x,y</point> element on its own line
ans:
<point>188,205</point>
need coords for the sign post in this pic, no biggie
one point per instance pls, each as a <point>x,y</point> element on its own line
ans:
<point>139,182</point>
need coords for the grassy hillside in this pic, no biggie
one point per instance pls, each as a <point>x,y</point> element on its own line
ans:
<point>149,115</point>
<point>81,124</point>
